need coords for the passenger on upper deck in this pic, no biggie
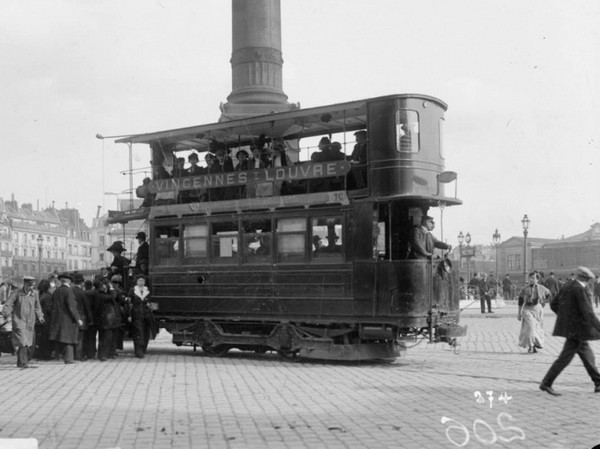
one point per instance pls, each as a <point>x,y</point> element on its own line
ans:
<point>210,160</point>
<point>255,161</point>
<point>194,169</point>
<point>280,158</point>
<point>335,152</point>
<point>178,168</point>
<point>422,242</point>
<point>324,145</point>
<point>243,162</point>
<point>358,159</point>
<point>359,154</point>
<point>223,162</point>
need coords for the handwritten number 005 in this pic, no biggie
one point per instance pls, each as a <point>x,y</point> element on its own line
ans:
<point>520,435</point>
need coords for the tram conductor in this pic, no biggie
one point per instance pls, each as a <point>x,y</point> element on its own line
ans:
<point>422,242</point>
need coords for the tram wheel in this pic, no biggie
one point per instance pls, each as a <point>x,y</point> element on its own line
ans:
<point>216,351</point>
<point>287,354</point>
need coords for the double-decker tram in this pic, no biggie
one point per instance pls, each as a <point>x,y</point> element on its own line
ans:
<point>304,248</point>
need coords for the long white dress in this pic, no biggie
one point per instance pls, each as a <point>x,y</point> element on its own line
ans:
<point>532,326</point>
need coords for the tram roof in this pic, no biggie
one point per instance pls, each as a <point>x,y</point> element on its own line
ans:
<point>338,117</point>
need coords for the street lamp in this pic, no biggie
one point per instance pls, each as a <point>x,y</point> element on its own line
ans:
<point>468,255</point>
<point>496,240</point>
<point>40,241</point>
<point>461,239</point>
<point>525,222</point>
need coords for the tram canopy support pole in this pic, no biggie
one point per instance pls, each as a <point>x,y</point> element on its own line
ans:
<point>129,144</point>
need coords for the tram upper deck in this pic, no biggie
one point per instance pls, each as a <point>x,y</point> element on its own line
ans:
<point>402,160</point>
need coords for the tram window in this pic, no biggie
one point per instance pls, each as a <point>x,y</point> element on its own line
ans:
<point>195,238</point>
<point>327,234</point>
<point>225,242</point>
<point>407,131</point>
<point>379,233</point>
<point>257,241</point>
<point>291,238</point>
<point>167,245</point>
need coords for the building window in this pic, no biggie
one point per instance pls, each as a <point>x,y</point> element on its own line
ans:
<point>510,263</point>
<point>517,261</point>
<point>55,241</point>
<point>101,257</point>
<point>101,240</point>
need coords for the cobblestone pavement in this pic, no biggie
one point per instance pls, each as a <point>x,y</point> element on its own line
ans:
<point>425,399</point>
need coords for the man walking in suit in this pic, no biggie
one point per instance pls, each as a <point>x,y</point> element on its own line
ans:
<point>422,242</point>
<point>552,284</point>
<point>576,322</point>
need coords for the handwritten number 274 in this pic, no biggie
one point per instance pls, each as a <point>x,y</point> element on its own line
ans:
<point>478,423</point>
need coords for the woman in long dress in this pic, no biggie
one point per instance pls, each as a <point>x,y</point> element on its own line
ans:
<point>141,319</point>
<point>532,299</point>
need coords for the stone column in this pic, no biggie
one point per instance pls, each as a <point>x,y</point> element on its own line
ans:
<point>256,61</point>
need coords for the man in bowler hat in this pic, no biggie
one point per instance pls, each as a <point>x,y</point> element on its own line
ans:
<point>576,322</point>
<point>64,327</point>
<point>143,253</point>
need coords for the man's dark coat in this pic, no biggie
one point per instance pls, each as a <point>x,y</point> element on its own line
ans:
<point>64,327</point>
<point>576,319</point>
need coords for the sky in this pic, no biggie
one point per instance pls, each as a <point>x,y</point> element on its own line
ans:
<point>521,78</point>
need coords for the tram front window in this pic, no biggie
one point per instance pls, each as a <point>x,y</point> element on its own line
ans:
<point>195,238</point>
<point>225,242</point>
<point>291,237</point>
<point>327,239</point>
<point>167,245</point>
<point>407,131</point>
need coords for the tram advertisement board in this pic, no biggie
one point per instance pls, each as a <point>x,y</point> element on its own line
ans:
<point>235,178</point>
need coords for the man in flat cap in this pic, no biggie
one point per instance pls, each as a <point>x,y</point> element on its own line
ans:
<point>23,306</point>
<point>576,322</point>
<point>65,323</point>
<point>422,242</point>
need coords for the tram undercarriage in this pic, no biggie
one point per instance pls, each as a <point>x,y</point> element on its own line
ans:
<point>342,342</point>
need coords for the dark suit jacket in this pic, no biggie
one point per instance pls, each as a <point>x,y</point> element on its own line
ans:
<point>83,307</point>
<point>423,242</point>
<point>552,285</point>
<point>64,327</point>
<point>576,318</point>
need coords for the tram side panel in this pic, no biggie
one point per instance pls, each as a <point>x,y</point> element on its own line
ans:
<point>292,292</point>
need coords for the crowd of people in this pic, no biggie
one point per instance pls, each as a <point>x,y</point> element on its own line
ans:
<point>263,154</point>
<point>73,319</point>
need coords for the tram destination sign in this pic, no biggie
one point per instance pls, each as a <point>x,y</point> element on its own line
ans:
<point>236,178</point>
